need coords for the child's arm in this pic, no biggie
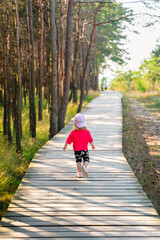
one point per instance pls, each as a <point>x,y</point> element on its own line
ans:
<point>92,145</point>
<point>65,146</point>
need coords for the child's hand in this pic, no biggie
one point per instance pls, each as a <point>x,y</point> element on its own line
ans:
<point>65,146</point>
<point>92,145</point>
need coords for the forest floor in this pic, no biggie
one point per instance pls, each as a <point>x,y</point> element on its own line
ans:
<point>141,141</point>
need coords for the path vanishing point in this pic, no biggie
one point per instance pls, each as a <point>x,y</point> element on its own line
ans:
<point>51,203</point>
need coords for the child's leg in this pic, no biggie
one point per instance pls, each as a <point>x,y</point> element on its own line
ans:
<point>85,164</point>
<point>78,158</point>
<point>86,159</point>
<point>78,165</point>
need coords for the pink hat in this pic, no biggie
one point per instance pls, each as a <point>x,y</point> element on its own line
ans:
<point>79,120</point>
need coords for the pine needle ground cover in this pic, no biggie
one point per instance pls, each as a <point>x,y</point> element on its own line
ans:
<point>13,167</point>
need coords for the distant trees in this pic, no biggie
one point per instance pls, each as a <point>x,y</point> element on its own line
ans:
<point>146,78</point>
<point>53,50</point>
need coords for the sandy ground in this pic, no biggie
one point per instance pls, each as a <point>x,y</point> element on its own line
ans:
<point>141,146</point>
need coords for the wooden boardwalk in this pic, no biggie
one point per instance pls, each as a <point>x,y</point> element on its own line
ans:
<point>51,203</point>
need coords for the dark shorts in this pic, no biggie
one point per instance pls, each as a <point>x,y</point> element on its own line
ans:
<point>79,155</point>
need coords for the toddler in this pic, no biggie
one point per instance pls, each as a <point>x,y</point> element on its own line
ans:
<point>80,137</point>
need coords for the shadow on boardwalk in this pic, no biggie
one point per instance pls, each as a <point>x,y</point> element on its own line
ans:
<point>51,203</point>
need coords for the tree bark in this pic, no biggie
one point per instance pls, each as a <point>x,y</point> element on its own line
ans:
<point>68,62</point>
<point>53,106</point>
<point>19,82</point>
<point>7,36</point>
<point>61,51</point>
<point>40,61</point>
<point>76,54</point>
<point>29,61</point>
<point>5,91</point>
<point>32,84</point>
<point>1,98</point>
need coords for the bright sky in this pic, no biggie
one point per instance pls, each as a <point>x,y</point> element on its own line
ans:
<point>139,46</point>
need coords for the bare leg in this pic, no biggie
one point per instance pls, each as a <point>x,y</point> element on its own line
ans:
<point>78,165</point>
<point>85,164</point>
<point>84,169</point>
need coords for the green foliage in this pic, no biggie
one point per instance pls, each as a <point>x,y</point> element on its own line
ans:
<point>145,79</point>
<point>109,33</point>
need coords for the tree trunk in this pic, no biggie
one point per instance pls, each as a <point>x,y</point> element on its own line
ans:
<point>68,62</point>
<point>5,91</point>
<point>53,106</point>
<point>32,85</point>
<point>93,72</point>
<point>87,59</point>
<point>7,36</point>
<point>88,81</point>
<point>40,61</point>
<point>97,81</point>
<point>29,62</point>
<point>1,98</point>
<point>19,82</point>
<point>61,51</point>
<point>76,54</point>
<point>85,70</point>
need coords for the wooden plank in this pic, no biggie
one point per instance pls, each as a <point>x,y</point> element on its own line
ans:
<point>96,200</point>
<point>82,234</point>
<point>52,193</point>
<point>81,220</point>
<point>122,229</point>
<point>76,207</point>
<point>59,197</point>
<point>71,211</point>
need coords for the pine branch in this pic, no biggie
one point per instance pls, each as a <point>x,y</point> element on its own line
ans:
<point>104,2</point>
<point>93,2</point>
<point>114,20</point>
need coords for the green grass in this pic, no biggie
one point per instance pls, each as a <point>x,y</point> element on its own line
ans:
<point>12,167</point>
<point>152,100</point>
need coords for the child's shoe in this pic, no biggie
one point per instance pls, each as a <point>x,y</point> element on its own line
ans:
<point>84,171</point>
<point>79,175</point>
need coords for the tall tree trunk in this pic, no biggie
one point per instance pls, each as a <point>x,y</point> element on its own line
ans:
<point>7,36</point>
<point>68,62</point>
<point>61,51</point>
<point>88,58</point>
<point>19,81</point>
<point>40,61</point>
<point>88,81</point>
<point>32,93</point>
<point>1,97</point>
<point>93,72</point>
<point>76,54</point>
<point>97,79</point>
<point>5,90</point>
<point>53,106</point>
<point>29,61</point>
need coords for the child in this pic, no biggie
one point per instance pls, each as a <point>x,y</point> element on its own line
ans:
<point>80,137</point>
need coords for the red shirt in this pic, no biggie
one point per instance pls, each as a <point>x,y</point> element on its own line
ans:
<point>80,139</point>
